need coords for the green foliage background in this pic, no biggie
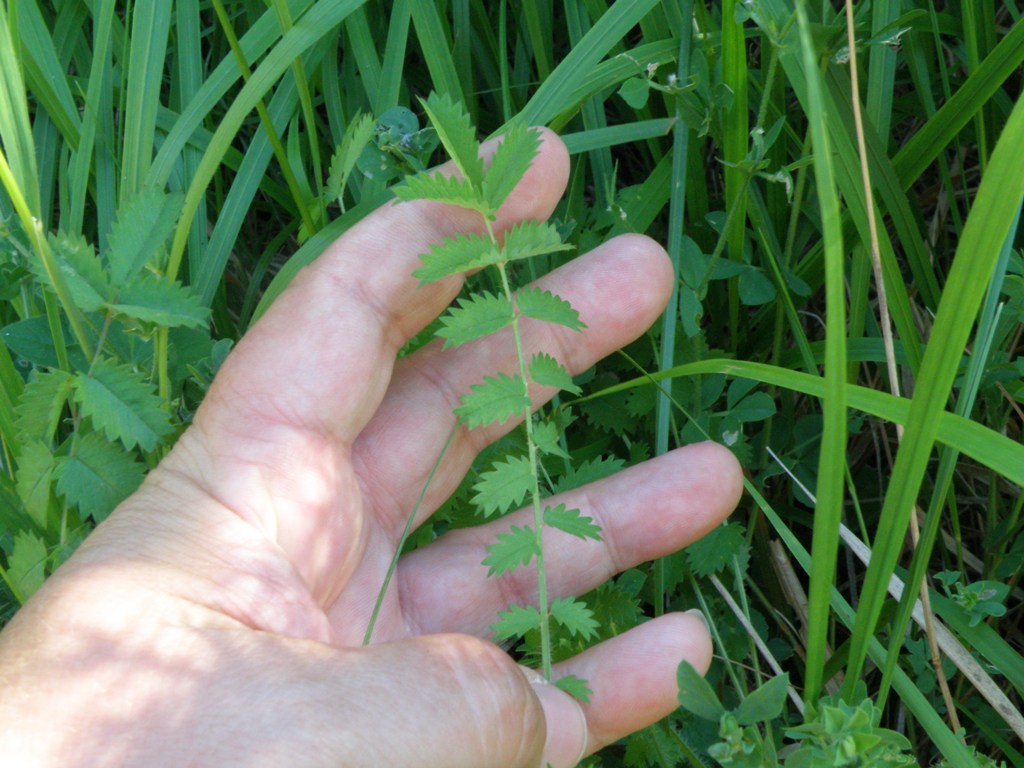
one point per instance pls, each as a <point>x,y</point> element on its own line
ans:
<point>167,167</point>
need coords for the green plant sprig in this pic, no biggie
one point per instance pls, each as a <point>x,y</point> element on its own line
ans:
<point>509,481</point>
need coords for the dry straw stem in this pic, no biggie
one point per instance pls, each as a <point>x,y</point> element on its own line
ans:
<point>947,642</point>
<point>890,355</point>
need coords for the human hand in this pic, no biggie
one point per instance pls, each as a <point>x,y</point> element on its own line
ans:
<point>216,617</point>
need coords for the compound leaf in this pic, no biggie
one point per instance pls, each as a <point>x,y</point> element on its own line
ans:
<point>454,128</point>
<point>509,164</point>
<point>531,238</point>
<point>143,225</point>
<point>122,404</point>
<point>575,687</point>
<point>97,476</point>
<point>515,622</point>
<point>158,300</point>
<point>547,371</point>
<point>504,485</point>
<point>496,400</point>
<point>479,315</point>
<point>516,547</point>
<point>575,616</point>
<point>764,704</point>
<point>696,695</point>
<point>572,522</point>
<point>449,190</point>
<point>455,255</point>
<point>546,306</point>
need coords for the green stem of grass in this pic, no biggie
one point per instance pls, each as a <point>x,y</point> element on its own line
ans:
<point>265,121</point>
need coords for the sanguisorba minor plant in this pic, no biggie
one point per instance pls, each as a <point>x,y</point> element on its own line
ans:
<point>505,395</point>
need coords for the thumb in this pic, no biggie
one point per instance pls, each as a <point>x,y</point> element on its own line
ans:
<point>438,700</point>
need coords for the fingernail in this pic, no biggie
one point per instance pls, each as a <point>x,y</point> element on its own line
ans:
<point>566,743</point>
<point>700,615</point>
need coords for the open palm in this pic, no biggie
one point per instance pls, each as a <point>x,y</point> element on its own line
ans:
<point>216,618</point>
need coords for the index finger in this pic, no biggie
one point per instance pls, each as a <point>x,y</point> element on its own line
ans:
<point>321,357</point>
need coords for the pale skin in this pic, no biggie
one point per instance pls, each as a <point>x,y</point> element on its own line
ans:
<point>216,617</point>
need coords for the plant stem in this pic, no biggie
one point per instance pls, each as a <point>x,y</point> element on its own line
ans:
<point>538,513</point>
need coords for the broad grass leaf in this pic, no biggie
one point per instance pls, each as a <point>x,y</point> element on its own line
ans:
<point>143,225</point>
<point>696,695</point>
<point>457,134</point>
<point>26,565</point>
<point>122,404</point>
<point>531,238</point>
<point>504,485</point>
<point>81,270</point>
<point>573,522</point>
<point>515,622</point>
<point>575,616</point>
<point>575,687</point>
<point>509,163</point>
<point>478,315</point>
<point>714,553</point>
<point>498,399</point>
<point>160,301</point>
<point>439,188</point>
<point>33,479</point>
<point>514,548</point>
<point>98,476</point>
<point>764,704</point>
<point>547,371</point>
<point>40,405</point>
<point>455,255</point>
<point>546,306</point>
